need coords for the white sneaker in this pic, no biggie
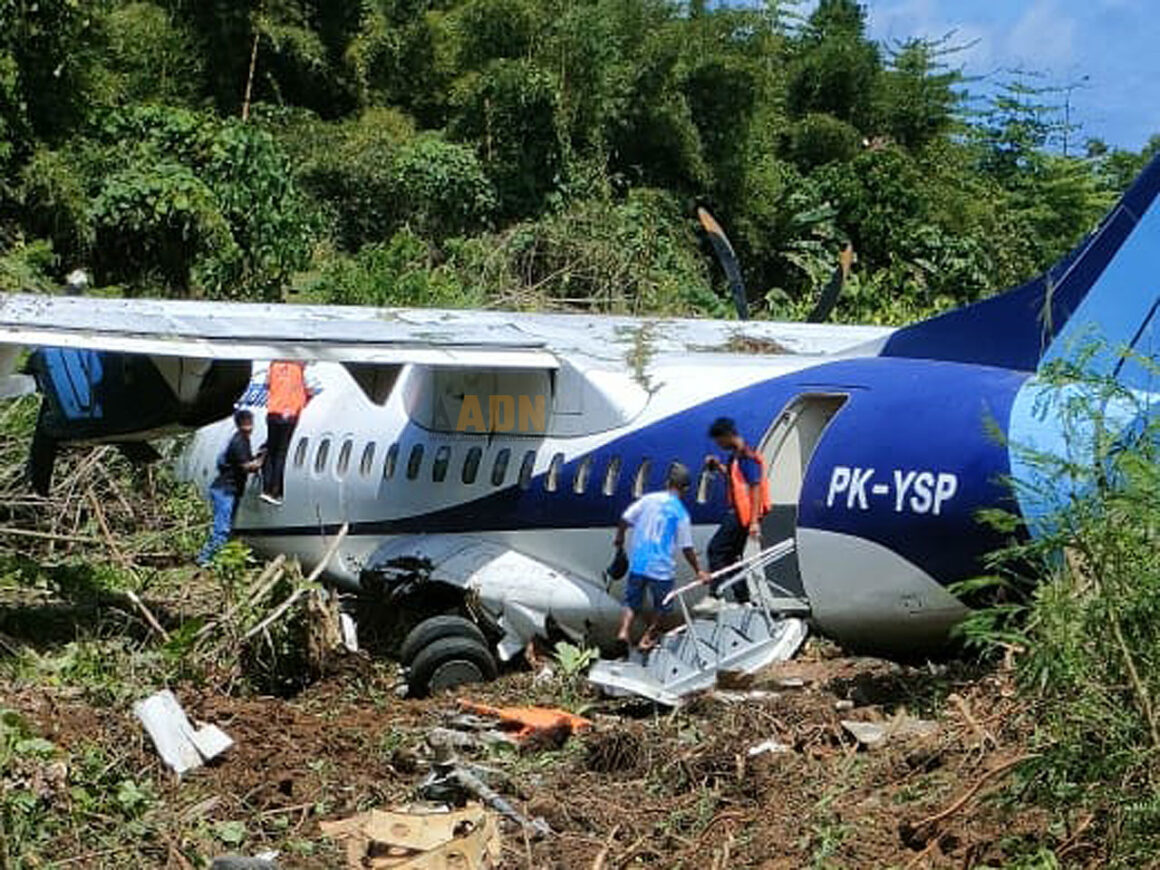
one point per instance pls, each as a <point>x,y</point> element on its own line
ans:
<point>269,499</point>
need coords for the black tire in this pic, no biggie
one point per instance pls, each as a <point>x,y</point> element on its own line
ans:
<point>436,628</point>
<point>449,662</point>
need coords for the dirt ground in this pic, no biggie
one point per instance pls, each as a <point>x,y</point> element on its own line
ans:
<point>645,787</point>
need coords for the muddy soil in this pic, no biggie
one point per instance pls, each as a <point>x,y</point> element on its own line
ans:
<point>645,787</point>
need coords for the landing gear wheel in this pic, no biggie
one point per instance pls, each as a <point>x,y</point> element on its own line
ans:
<point>436,628</point>
<point>449,662</point>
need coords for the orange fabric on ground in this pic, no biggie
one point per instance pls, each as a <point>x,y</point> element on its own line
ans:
<point>286,384</point>
<point>527,721</point>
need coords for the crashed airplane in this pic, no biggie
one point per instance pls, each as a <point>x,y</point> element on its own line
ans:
<point>480,460</point>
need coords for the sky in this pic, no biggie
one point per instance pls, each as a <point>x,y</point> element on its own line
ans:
<point>1109,49</point>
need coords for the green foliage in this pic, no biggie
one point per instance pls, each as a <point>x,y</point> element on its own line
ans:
<point>631,256</point>
<point>440,189</point>
<point>1082,599</point>
<point>26,267</point>
<point>510,110</point>
<point>401,271</point>
<point>152,57</point>
<point>173,198</point>
<point>574,661</point>
<point>473,126</point>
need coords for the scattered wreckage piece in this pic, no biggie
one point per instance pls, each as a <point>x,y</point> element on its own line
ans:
<point>548,724</point>
<point>768,746</point>
<point>468,838</point>
<point>872,735</point>
<point>450,782</point>
<point>265,861</point>
<point>741,639</point>
<point>181,746</point>
<point>513,599</point>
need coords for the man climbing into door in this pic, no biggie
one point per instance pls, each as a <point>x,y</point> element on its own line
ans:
<point>660,526</point>
<point>235,465</point>
<point>748,495</point>
<point>286,395</point>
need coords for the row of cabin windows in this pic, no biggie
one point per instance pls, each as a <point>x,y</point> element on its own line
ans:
<point>499,469</point>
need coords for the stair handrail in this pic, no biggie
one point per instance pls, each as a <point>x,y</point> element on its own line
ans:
<point>743,568</point>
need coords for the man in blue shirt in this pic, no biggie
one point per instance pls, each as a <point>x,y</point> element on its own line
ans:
<point>660,526</point>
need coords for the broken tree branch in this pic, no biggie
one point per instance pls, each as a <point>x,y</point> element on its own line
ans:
<point>269,578</point>
<point>973,790</point>
<point>281,609</point>
<point>99,512</point>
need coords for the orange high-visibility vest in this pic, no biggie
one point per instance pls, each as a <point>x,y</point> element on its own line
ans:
<point>739,490</point>
<point>287,389</point>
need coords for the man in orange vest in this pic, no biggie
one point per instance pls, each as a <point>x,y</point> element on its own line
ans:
<point>286,396</point>
<point>748,495</point>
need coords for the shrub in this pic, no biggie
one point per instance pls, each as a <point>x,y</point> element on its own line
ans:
<point>1082,598</point>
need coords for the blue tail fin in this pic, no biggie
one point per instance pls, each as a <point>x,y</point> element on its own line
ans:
<point>1107,288</point>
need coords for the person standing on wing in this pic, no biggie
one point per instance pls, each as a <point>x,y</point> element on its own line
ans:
<point>660,526</point>
<point>286,396</point>
<point>234,466</point>
<point>748,495</point>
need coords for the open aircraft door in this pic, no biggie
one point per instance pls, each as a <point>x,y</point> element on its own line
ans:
<point>787,448</point>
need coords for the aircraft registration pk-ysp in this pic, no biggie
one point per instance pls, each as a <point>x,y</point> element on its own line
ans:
<point>481,459</point>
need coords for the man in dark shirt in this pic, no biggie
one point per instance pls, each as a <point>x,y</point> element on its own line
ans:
<point>748,497</point>
<point>234,466</point>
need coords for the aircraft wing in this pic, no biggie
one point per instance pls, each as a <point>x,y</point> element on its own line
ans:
<point>232,331</point>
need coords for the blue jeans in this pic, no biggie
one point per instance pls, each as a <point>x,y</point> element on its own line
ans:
<point>224,505</point>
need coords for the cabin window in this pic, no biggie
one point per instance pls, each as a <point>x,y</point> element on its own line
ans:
<point>583,472</point>
<point>439,466</point>
<point>367,463</point>
<point>526,469</point>
<point>640,482</point>
<point>471,465</point>
<point>392,461</point>
<point>705,485</point>
<point>552,478</point>
<point>499,470</point>
<point>611,476</point>
<point>414,462</point>
<point>300,452</point>
<point>344,457</point>
<point>322,457</point>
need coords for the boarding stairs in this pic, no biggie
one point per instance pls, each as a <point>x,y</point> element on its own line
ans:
<point>738,638</point>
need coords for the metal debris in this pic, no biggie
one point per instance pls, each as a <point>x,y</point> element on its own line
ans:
<point>768,746</point>
<point>901,727</point>
<point>180,745</point>
<point>452,783</point>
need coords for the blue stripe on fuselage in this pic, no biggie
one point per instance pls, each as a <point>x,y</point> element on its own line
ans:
<point>909,414</point>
